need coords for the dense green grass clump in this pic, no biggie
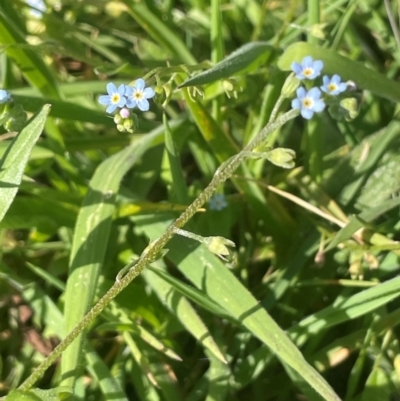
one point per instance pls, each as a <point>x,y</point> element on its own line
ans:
<point>238,159</point>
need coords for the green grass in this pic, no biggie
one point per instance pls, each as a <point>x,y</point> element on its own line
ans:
<point>306,307</point>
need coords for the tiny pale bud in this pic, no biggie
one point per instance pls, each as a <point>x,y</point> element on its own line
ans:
<point>350,104</point>
<point>125,113</point>
<point>118,119</point>
<point>290,85</point>
<point>127,124</point>
<point>282,157</point>
<point>218,246</point>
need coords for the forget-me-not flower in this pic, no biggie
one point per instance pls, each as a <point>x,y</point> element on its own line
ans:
<point>218,202</point>
<point>138,95</point>
<point>308,69</point>
<point>115,97</point>
<point>308,102</point>
<point>4,96</point>
<point>333,86</point>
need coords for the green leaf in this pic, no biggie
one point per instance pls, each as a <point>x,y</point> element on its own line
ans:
<point>137,330</point>
<point>184,311</point>
<point>346,309</point>
<point>109,385</point>
<point>334,63</point>
<point>357,222</point>
<point>54,394</point>
<point>28,60</point>
<point>208,273</point>
<point>248,57</point>
<point>90,239</point>
<point>159,31</point>
<point>65,110</point>
<point>16,157</point>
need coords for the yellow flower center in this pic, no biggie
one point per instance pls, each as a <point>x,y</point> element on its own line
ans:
<point>138,95</point>
<point>307,103</point>
<point>332,87</point>
<point>115,98</point>
<point>308,71</point>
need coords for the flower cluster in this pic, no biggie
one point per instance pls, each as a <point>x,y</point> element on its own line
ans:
<point>127,96</point>
<point>310,102</point>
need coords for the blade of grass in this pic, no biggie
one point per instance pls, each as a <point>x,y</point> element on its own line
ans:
<point>16,157</point>
<point>184,311</point>
<point>159,31</point>
<point>28,60</point>
<point>89,243</point>
<point>221,285</point>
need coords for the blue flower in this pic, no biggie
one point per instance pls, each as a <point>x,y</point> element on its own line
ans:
<point>138,95</point>
<point>218,202</point>
<point>115,97</point>
<point>308,102</point>
<point>308,69</point>
<point>4,96</point>
<point>333,86</point>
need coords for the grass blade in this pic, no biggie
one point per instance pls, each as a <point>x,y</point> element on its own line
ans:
<point>16,157</point>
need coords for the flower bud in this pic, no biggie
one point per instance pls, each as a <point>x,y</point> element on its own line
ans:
<point>290,85</point>
<point>282,157</point>
<point>218,246</point>
<point>124,113</point>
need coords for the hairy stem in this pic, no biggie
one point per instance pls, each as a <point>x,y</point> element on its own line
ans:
<point>151,253</point>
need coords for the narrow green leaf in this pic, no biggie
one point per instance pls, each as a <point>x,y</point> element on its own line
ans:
<point>16,157</point>
<point>159,31</point>
<point>109,386</point>
<point>90,239</point>
<point>184,311</point>
<point>224,288</point>
<point>138,330</point>
<point>54,394</point>
<point>28,60</point>
<point>357,222</point>
<point>378,386</point>
<point>334,63</point>
<point>190,292</point>
<point>65,110</point>
<point>248,57</point>
<point>179,188</point>
<point>351,308</point>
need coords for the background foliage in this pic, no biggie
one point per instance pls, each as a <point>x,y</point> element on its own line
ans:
<point>316,246</point>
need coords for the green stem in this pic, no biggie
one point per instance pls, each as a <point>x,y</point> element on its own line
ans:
<point>313,19</point>
<point>217,51</point>
<point>152,252</point>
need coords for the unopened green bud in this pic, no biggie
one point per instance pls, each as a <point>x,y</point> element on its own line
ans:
<point>282,157</point>
<point>290,85</point>
<point>118,119</point>
<point>128,124</point>
<point>350,104</point>
<point>318,31</point>
<point>219,246</point>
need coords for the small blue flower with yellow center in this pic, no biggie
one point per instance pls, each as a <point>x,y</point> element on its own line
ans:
<point>308,68</point>
<point>138,95</point>
<point>308,102</point>
<point>333,86</point>
<point>115,97</point>
<point>218,202</point>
